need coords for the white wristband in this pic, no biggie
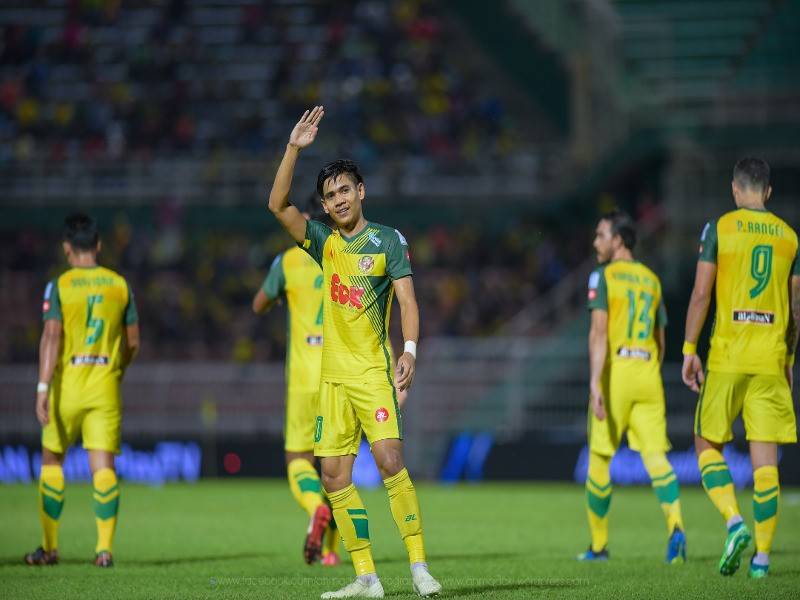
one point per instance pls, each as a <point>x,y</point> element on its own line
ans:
<point>411,348</point>
<point>42,387</point>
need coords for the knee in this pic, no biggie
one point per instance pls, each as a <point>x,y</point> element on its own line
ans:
<point>390,463</point>
<point>333,481</point>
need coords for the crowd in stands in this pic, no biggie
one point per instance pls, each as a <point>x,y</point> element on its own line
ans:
<point>193,288</point>
<point>107,80</point>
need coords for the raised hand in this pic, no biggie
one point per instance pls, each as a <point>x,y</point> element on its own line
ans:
<point>305,131</point>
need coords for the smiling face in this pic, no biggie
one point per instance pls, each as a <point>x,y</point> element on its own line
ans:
<point>341,200</point>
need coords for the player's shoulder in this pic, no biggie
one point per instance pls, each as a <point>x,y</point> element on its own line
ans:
<point>788,229</point>
<point>112,275</point>
<point>380,232</point>
<point>649,273</point>
<point>597,276</point>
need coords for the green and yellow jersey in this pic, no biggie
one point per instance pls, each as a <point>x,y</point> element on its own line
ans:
<point>94,305</point>
<point>358,273</point>
<point>756,255</point>
<point>631,294</point>
<point>295,275</point>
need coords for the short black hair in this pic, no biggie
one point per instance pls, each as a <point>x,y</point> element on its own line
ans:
<point>80,230</point>
<point>753,173</point>
<point>313,207</point>
<point>342,166</point>
<point>622,225</point>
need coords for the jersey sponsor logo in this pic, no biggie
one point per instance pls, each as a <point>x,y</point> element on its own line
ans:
<point>381,415</point>
<point>346,294</point>
<point>314,340</point>
<point>374,238</point>
<point>366,263</point>
<point>88,359</point>
<point>401,238</point>
<point>753,316</point>
<point>592,294</point>
<point>639,353</point>
<point>45,306</point>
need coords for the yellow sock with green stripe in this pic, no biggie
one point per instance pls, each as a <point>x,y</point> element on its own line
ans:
<point>598,499</point>
<point>718,483</point>
<point>665,485</point>
<point>766,492</point>
<point>305,484</point>
<point>51,503</point>
<point>106,506</point>
<point>353,524</point>
<point>405,510</point>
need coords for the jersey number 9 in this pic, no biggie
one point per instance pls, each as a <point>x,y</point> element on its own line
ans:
<point>760,268</point>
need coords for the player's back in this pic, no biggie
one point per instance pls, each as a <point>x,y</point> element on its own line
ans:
<point>303,289</point>
<point>635,310</point>
<point>94,305</point>
<point>755,252</point>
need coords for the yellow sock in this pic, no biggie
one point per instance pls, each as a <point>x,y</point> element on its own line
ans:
<point>353,524</point>
<point>332,539</point>
<point>598,499</point>
<point>718,483</point>
<point>405,510</point>
<point>305,485</point>
<point>106,506</point>
<point>766,491</point>
<point>51,503</point>
<point>665,485</point>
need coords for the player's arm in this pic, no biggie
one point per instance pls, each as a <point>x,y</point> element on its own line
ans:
<point>261,302</point>
<point>301,137</point>
<point>409,321</point>
<point>270,291</point>
<point>598,350</point>
<point>49,346</point>
<point>661,336</point>
<point>793,331</point>
<point>132,342</point>
<point>692,371</point>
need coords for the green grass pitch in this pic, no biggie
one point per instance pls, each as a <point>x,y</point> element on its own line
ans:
<point>243,539</point>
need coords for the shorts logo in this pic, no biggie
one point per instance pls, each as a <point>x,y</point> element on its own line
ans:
<point>365,264</point>
<point>346,294</point>
<point>381,415</point>
<point>318,430</point>
<point>753,316</point>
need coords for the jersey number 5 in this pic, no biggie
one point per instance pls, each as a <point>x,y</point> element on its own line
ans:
<point>93,323</point>
<point>644,314</point>
<point>760,268</point>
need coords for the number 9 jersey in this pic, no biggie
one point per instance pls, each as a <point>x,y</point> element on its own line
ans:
<point>756,255</point>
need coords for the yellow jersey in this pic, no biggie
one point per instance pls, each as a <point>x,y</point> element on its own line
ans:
<point>756,255</point>
<point>358,273</point>
<point>94,304</point>
<point>631,294</point>
<point>295,275</point>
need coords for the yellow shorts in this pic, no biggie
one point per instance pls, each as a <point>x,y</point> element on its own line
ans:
<point>345,409</point>
<point>765,402</point>
<point>301,412</point>
<point>634,405</point>
<point>97,417</point>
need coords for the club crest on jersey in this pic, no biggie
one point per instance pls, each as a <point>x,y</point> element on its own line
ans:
<point>346,294</point>
<point>366,263</point>
<point>381,415</point>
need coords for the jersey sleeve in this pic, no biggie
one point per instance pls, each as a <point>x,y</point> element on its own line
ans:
<point>131,314</point>
<point>275,283</point>
<point>316,235</point>
<point>598,293</point>
<point>661,315</point>
<point>708,243</point>
<point>51,306</point>
<point>398,259</point>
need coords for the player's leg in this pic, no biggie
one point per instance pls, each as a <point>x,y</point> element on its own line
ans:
<point>304,482</point>
<point>377,408</point>
<point>604,437</point>
<point>647,433</point>
<point>766,495</point>
<point>51,503</point>
<point>101,438</point>
<point>336,439</point>
<point>57,436</point>
<point>769,420</point>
